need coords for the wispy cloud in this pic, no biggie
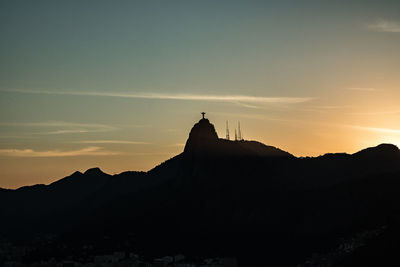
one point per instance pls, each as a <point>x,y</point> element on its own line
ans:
<point>385,26</point>
<point>247,105</point>
<point>152,154</point>
<point>388,112</point>
<point>111,142</point>
<point>54,124</point>
<point>172,130</point>
<point>332,107</point>
<point>190,97</point>
<point>177,145</point>
<point>63,127</point>
<point>364,89</point>
<point>67,131</point>
<point>87,151</point>
<point>18,136</point>
<point>375,129</point>
<point>252,116</point>
<point>326,109</point>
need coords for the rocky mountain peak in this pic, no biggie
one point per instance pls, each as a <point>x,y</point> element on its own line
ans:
<point>203,134</point>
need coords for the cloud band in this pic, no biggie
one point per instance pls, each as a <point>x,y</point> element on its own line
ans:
<point>87,151</point>
<point>190,97</point>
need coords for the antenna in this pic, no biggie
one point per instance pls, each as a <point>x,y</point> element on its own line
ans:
<point>239,133</point>
<point>235,135</point>
<point>227,131</point>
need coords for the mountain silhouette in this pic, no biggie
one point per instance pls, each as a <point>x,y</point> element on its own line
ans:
<point>218,197</point>
<point>202,136</point>
<point>203,140</point>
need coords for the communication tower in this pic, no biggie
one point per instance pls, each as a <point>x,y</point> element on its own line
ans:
<point>227,131</point>
<point>239,132</point>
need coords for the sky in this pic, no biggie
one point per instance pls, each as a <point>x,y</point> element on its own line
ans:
<point>119,84</point>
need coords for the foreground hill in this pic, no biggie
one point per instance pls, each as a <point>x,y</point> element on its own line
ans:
<point>219,197</point>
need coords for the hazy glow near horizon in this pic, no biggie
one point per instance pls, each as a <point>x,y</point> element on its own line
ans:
<point>119,85</point>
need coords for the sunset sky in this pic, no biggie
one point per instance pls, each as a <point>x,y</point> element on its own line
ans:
<point>119,84</point>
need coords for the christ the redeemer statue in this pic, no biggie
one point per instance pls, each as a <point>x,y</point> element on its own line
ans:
<point>203,113</point>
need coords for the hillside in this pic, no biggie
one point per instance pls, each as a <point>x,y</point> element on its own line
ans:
<point>218,197</point>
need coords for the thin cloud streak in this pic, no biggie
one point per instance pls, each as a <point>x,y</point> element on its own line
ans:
<point>254,116</point>
<point>112,142</point>
<point>390,112</point>
<point>177,145</point>
<point>379,130</point>
<point>326,109</point>
<point>192,97</point>
<point>66,132</point>
<point>87,151</point>
<point>332,107</point>
<point>385,26</point>
<point>364,89</point>
<point>246,105</point>
<point>151,154</point>
<point>55,124</point>
<point>66,127</point>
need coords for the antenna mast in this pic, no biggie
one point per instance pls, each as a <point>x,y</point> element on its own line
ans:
<point>239,132</point>
<point>227,131</point>
<point>235,135</point>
